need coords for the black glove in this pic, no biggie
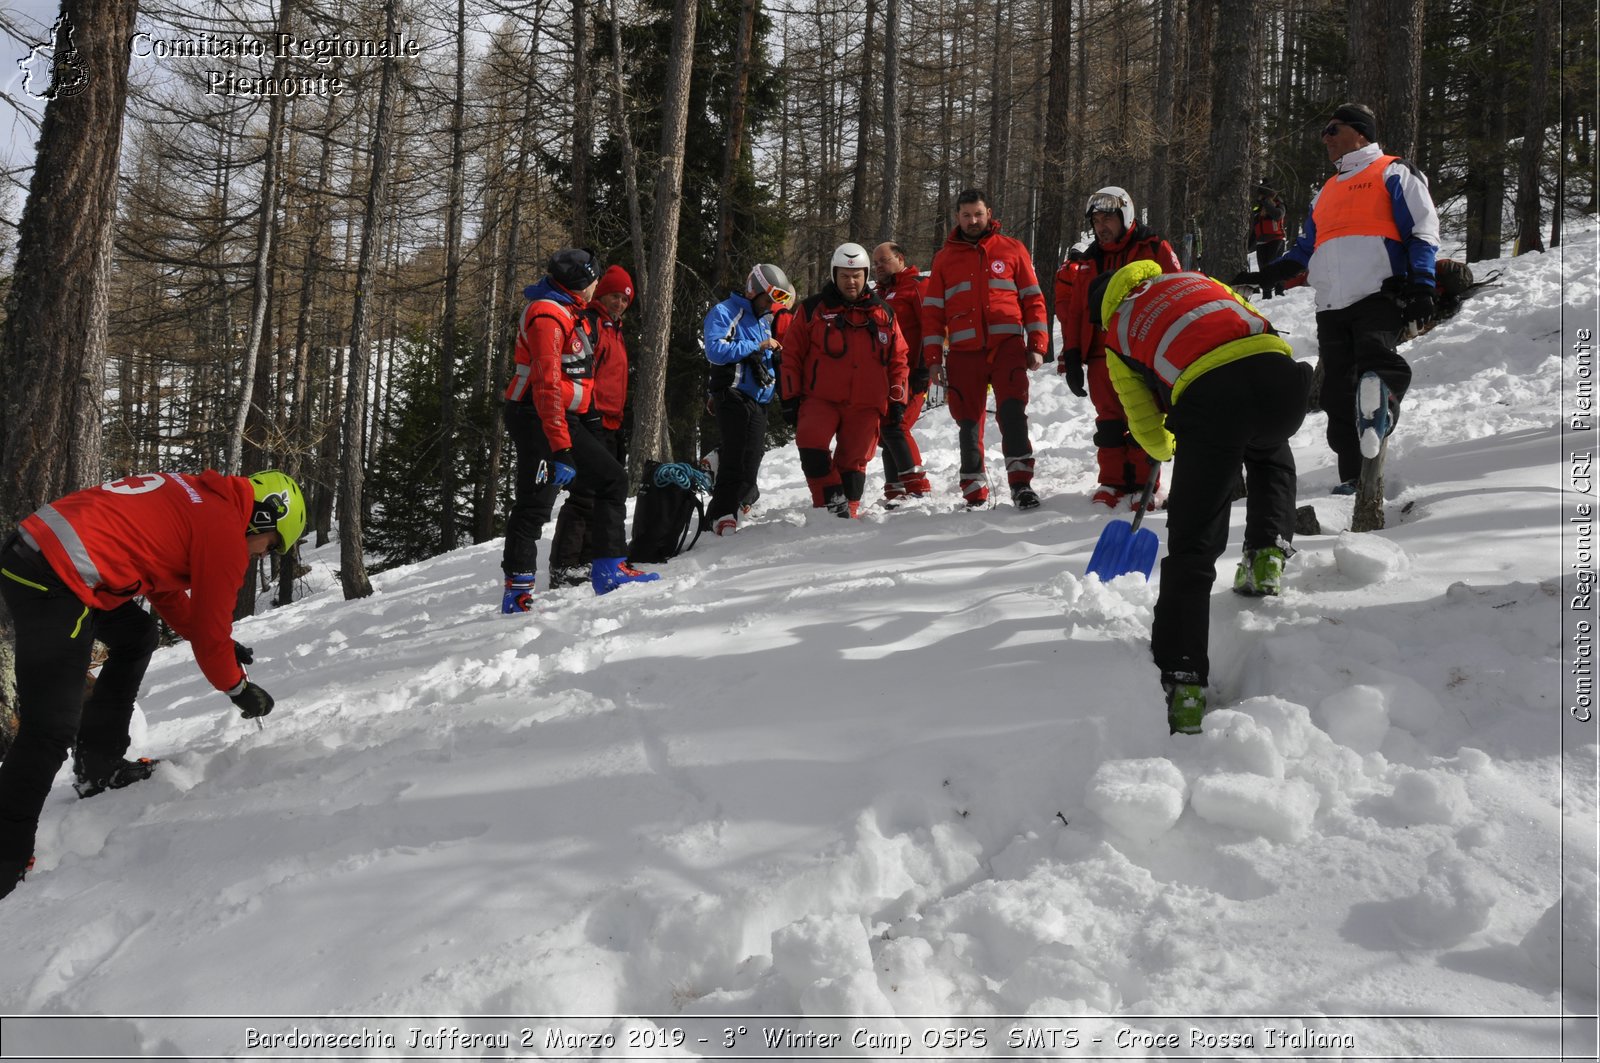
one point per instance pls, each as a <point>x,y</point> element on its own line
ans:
<point>1421,303</point>
<point>791,411</point>
<point>252,701</point>
<point>896,414</point>
<point>1247,279</point>
<point>243,654</point>
<point>1072,369</point>
<point>919,381</point>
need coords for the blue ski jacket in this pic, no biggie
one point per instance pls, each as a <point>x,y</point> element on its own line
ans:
<point>733,336</point>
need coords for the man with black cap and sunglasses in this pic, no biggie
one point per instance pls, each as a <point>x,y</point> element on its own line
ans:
<point>551,391</point>
<point>1368,246</point>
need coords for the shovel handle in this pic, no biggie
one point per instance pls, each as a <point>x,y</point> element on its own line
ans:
<point>1144,499</point>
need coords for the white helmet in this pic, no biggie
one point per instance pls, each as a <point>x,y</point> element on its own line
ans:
<point>851,256</point>
<point>1109,199</point>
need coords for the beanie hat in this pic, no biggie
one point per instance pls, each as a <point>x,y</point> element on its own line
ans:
<point>574,268</point>
<point>1358,116</point>
<point>616,279</point>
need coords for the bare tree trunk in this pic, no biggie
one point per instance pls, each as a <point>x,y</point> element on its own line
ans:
<point>1402,73</point>
<point>1530,236</point>
<point>53,340</point>
<point>733,151</point>
<point>858,186</point>
<point>888,214</point>
<point>1160,208</point>
<point>582,124</point>
<point>1057,128</point>
<point>352,564</point>
<point>650,398</point>
<point>449,518</point>
<point>265,228</point>
<point>1235,90</point>
<point>630,158</point>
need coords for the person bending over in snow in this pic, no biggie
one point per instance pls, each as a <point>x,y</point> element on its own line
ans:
<point>70,573</point>
<point>1206,383</point>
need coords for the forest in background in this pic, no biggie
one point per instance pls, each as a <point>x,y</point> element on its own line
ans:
<point>331,284</point>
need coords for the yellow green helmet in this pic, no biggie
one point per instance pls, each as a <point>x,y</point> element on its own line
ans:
<point>280,507</point>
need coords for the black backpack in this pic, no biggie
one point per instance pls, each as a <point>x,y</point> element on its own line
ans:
<point>668,510</point>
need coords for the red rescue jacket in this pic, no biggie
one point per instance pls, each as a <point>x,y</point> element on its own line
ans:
<point>1075,276</point>
<point>982,294</point>
<point>849,353</point>
<point>610,365</point>
<point>175,538</point>
<point>554,360</point>
<point>904,296</point>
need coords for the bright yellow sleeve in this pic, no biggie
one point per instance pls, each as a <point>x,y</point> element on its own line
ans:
<point>1145,419</point>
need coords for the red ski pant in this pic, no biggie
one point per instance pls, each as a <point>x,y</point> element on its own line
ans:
<point>969,377</point>
<point>1123,463</point>
<point>912,477</point>
<point>852,434</point>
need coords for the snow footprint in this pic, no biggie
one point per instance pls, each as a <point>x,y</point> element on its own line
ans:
<point>85,951</point>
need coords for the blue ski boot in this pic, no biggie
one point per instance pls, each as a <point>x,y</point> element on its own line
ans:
<point>609,573</point>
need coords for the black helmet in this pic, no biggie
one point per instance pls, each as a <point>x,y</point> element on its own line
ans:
<point>574,268</point>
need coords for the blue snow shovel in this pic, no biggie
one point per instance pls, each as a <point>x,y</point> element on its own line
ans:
<point>1125,547</point>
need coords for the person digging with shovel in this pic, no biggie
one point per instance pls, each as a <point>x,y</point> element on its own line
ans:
<point>1207,383</point>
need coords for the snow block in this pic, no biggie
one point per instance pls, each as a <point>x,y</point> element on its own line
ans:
<point>1561,945</point>
<point>1139,799</point>
<point>1235,741</point>
<point>827,964</point>
<point>1431,797</point>
<point>1280,809</point>
<point>1365,559</point>
<point>1356,717</point>
<point>1452,902</point>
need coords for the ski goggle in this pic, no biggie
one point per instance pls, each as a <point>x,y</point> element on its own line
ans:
<point>1104,203</point>
<point>781,298</point>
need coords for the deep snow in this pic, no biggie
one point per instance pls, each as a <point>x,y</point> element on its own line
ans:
<point>914,765</point>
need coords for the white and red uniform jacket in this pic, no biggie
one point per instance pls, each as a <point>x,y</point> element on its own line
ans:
<point>175,538</point>
<point>981,294</point>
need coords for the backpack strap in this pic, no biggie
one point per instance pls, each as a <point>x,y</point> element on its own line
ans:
<point>699,524</point>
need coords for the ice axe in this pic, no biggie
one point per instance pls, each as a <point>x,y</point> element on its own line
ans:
<point>1124,547</point>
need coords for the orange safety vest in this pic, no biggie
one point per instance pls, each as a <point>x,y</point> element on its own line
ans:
<point>1171,321</point>
<point>1356,206</point>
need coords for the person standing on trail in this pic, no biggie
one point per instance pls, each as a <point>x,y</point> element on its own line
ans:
<point>1119,238</point>
<point>741,347</point>
<point>900,285</point>
<point>844,374</point>
<point>1267,232</point>
<point>1368,248</point>
<point>983,299</point>
<point>551,391</point>
<point>70,573</point>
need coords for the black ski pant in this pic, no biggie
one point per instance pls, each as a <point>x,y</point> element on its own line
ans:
<point>743,424</point>
<point>55,633</point>
<point>572,543</point>
<point>1266,252</point>
<point>600,474</point>
<point>1361,338</point>
<point>1241,412</point>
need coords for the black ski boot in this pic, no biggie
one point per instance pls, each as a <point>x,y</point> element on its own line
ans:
<point>94,774</point>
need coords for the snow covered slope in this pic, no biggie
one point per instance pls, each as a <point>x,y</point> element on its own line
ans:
<point>911,765</point>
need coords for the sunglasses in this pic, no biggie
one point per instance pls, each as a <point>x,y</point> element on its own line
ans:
<point>1099,204</point>
<point>1332,129</point>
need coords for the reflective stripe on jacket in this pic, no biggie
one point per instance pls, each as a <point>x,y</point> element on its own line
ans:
<point>1168,331</point>
<point>904,297</point>
<point>554,360</point>
<point>1138,244</point>
<point>980,294</point>
<point>175,538</point>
